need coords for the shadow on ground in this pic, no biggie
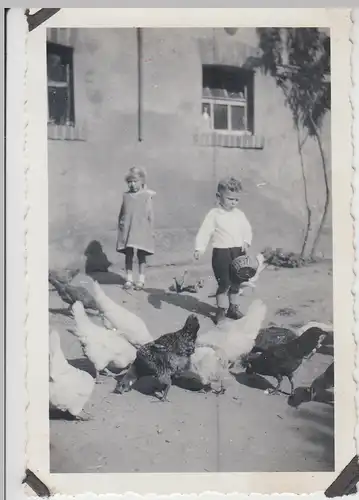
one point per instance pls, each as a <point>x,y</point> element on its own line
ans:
<point>149,385</point>
<point>255,381</point>
<point>107,278</point>
<point>319,431</point>
<point>83,364</point>
<point>64,311</point>
<point>157,296</point>
<point>61,415</point>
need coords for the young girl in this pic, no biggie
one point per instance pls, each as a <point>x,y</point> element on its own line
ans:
<point>135,226</point>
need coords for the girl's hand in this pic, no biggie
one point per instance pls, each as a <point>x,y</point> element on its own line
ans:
<point>196,254</point>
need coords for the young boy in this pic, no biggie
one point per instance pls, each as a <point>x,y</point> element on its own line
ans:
<point>231,235</point>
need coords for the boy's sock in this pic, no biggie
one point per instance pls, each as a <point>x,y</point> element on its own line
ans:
<point>129,276</point>
<point>141,278</point>
<point>220,316</point>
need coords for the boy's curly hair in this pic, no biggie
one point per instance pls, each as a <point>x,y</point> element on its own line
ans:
<point>229,184</point>
<point>136,173</point>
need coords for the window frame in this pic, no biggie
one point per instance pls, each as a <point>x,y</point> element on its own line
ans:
<point>66,54</point>
<point>229,102</point>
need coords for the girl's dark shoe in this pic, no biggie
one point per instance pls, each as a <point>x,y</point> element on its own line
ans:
<point>234,312</point>
<point>220,316</point>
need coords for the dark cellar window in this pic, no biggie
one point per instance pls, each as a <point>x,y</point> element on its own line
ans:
<point>228,98</point>
<point>60,85</point>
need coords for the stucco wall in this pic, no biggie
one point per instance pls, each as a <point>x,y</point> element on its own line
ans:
<point>86,177</point>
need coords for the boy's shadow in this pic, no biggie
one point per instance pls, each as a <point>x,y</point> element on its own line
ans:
<point>156,296</point>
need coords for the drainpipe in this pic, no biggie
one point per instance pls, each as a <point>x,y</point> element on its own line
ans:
<point>139,83</point>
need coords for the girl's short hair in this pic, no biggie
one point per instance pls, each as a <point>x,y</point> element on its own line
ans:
<point>136,173</point>
<point>229,184</point>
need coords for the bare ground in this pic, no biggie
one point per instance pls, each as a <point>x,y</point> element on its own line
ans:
<point>243,430</point>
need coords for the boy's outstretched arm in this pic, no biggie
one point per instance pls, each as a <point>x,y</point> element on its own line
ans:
<point>204,234</point>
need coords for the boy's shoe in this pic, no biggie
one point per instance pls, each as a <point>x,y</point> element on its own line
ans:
<point>234,312</point>
<point>139,285</point>
<point>220,316</point>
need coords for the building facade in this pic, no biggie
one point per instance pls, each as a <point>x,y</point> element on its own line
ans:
<point>188,105</point>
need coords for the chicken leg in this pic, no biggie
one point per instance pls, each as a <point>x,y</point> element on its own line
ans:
<point>290,378</point>
<point>163,397</point>
<point>219,391</point>
<point>275,390</point>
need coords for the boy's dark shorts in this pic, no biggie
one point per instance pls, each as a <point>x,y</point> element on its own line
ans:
<point>221,264</point>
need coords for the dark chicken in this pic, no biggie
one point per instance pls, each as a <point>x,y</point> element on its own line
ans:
<point>281,361</point>
<point>65,275</point>
<point>165,358</point>
<point>272,336</point>
<point>71,294</point>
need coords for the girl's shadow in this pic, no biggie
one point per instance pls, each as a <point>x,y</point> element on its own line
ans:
<point>157,296</point>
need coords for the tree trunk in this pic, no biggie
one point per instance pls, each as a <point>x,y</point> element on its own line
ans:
<point>327,191</point>
<point>308,228</point>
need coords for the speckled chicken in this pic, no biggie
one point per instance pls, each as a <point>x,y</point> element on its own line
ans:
<point>71,294</point>
<point>281,361</point>
<point>165,358</point>
<point>69,387</point>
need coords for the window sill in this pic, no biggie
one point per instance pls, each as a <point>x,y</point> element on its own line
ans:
<point>66,132</point>
<point>229,140</point>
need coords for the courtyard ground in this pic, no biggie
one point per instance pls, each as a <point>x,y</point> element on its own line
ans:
<point>243,430</point>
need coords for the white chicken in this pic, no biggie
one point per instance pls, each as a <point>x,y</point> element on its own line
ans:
<point>104,348</point>
<point>218,348</point>
<point>129,324</point>
<point>70,388</point>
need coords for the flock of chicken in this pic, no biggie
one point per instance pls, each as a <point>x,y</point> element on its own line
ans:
<point>123,347</point>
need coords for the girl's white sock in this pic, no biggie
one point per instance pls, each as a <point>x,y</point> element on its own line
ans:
<point>129,276</point>
<point>141,278</point>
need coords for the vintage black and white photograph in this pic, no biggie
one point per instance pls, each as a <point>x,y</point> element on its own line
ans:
<point>190,250</point>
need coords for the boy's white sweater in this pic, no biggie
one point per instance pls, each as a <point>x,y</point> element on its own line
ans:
<point>225,229</point>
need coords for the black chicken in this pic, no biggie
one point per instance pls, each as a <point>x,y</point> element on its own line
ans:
<point>281,361</point>
<point>272,336</point>
<point>164,358</point>
<point>71,294</point>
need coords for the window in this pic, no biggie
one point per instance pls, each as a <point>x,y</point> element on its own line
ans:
<point>227,99</point>
<point>60,87</point>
